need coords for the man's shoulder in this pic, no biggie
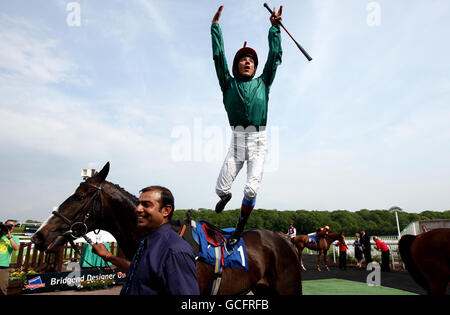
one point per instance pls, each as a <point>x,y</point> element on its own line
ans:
<point>175,243</point>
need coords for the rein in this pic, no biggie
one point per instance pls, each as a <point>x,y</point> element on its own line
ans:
<point>183,229</point>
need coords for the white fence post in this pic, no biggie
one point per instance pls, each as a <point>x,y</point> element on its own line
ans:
<point>334,253</point>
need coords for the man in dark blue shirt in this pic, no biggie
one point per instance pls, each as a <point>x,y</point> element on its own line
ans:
<point>164,263</point>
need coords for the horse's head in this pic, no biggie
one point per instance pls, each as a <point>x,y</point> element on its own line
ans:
<point>75,216</point>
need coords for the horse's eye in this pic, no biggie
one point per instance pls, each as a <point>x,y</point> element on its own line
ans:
<point>78,197</point>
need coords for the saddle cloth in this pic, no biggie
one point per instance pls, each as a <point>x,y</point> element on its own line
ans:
<point>212,241</point>
<point>314,238</point>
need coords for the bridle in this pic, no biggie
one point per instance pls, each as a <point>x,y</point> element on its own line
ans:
<point>79,228</point>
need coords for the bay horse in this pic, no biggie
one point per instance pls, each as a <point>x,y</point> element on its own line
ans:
<point>99,204</point>
<point>427,258</point>
<point>322,246</point>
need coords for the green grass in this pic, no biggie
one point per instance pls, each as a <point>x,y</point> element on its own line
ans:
<point>346,287</point>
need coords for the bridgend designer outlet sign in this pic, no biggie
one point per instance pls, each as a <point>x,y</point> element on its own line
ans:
<point>62,281</point>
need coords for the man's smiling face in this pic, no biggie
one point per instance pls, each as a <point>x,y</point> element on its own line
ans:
<point>149,213</point>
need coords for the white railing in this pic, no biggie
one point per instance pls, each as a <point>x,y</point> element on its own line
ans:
<point>23,237</point>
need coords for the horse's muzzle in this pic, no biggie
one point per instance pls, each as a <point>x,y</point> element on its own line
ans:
<point>38,240</point>
<point>42,243</point>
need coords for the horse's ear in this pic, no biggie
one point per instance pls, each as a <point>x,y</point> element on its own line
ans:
<point>101,176</point>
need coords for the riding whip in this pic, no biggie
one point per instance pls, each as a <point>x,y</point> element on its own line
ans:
<point>305,53</point>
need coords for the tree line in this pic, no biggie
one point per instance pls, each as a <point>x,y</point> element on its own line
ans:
<point>375,222</point>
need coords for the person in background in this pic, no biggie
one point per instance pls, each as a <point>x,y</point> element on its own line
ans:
<point>323,232</point>
<point>424,229</point>
<point>8,244</point>
<point>365,242</point>
<point>292,232</point>
<point>358,250</point>
<point>342,255</point>
<point>384,253</point>
<point>318,234</point>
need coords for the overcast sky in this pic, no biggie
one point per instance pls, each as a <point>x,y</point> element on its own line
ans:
<point>365,125</point>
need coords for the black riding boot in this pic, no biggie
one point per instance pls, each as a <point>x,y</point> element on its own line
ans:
<point>234,238</point>
<point>246,209</point>
<point>222,203</point>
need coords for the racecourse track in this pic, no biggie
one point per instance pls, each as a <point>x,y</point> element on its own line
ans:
<point>400,280</point>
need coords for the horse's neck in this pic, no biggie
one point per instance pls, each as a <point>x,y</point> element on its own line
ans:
<point>331,238</point>
<point>120,219</point>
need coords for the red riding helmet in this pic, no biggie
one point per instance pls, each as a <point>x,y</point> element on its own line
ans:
<point>244,52</point>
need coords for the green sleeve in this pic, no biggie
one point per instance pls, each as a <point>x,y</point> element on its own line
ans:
<point>220,61</point>
<point>275,54</point>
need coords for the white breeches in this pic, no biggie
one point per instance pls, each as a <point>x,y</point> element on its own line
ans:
<point>245,146</point>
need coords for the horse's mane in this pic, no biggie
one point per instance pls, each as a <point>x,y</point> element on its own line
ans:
<point>130,196</point>
<point>334,233</point>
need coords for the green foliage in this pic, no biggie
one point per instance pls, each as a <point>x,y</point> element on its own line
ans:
<point>375,222</point>
<point>32,221</point>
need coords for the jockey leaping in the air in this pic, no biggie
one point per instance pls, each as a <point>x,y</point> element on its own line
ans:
<point>246,100</point>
